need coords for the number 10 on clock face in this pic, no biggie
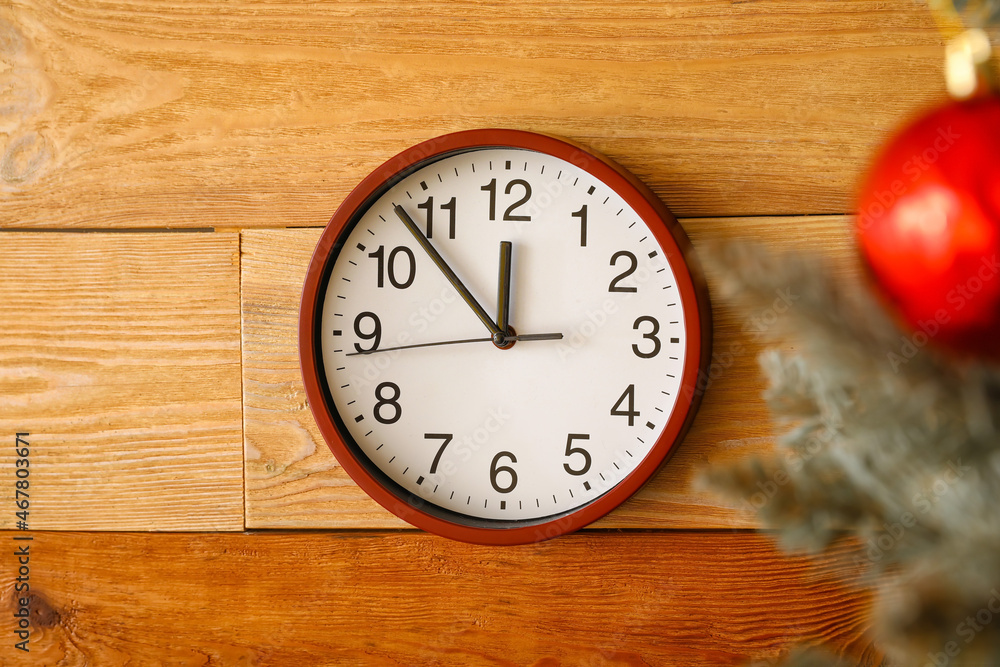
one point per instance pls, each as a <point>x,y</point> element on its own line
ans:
<point>504,336</point>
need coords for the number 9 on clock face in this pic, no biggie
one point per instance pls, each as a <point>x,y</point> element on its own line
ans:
<point>501,335</point>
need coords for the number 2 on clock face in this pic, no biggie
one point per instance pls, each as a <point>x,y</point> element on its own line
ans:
<point>543,426</point>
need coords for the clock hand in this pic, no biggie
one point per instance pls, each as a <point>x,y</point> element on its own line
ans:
<point>499,336</point>
<point>512,339</point>
<point>503,287</point>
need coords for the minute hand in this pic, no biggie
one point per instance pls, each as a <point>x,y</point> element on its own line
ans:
<point>459,286</point>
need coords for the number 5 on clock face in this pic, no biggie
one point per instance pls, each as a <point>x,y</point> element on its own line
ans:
<point>501,335</point>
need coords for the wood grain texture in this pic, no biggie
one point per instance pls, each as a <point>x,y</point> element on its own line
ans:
<point>242,114</point>
<point>120,355</point>
<point>684,600</point>
<point>293,480</point>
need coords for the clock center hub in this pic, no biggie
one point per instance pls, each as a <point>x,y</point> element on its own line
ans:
<point>505,341</point>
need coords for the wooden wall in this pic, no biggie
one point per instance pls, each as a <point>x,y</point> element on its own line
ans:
<point>165,171</point>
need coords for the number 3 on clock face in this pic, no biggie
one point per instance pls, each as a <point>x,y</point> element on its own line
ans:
<point>501,335</point>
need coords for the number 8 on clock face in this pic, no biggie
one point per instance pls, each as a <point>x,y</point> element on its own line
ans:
<point>501,335</point>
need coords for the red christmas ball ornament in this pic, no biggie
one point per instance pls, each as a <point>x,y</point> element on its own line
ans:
<point>928,225</point>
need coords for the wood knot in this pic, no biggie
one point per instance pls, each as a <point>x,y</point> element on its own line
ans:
<point>41,613</point>
<point>25,92</point>
<point>25,158</point>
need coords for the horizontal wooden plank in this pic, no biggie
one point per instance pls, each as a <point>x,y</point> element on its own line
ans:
<point>681,599</point>
<point>245,114</point>
<point>292,479</point>
<point>120,356</point>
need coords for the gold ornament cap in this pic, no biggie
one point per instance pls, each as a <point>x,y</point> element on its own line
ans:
<point>967,64</point>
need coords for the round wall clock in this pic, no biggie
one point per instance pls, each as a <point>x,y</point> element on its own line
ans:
<point>501,335</point>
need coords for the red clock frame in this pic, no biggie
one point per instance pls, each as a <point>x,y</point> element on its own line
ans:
<point>690,285</point>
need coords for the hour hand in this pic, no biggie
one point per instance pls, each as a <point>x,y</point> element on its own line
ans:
<point>498,334</point>
<point>503,288</point>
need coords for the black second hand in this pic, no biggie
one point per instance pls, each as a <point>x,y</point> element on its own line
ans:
<point>526,337</point>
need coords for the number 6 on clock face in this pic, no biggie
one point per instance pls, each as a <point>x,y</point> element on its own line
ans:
<point>501,335</point>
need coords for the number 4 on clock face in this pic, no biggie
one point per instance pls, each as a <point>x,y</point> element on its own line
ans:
<point>501,338</point>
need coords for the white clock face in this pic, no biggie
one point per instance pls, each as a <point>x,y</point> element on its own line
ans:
<point>548,424</point>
